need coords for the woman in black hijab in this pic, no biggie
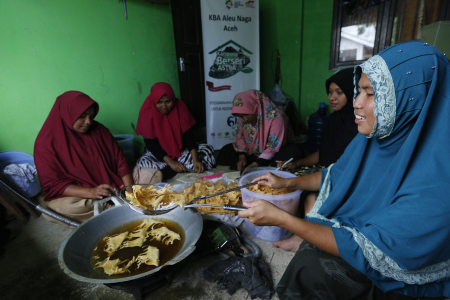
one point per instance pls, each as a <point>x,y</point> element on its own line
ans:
<point>340,127</point>
<point>338,131</point>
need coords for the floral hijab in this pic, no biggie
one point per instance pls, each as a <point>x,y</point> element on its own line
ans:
<point>271,130</point>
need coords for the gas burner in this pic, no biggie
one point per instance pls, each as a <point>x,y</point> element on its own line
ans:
<point>141,286</point>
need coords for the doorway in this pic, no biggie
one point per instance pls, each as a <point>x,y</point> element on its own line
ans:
<point>187,28</point>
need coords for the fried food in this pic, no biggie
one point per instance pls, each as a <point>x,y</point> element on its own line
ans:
<point>269,191</point>
<point>113,242</point>
<point>111,267</point>
<point>150,257</point>
<point>206,188</point>
<point>152,198</point>
<point>167,235</point>
<point>136,238</point>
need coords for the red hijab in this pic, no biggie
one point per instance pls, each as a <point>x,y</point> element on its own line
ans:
<point>166,128</point>
<point>64,156</point>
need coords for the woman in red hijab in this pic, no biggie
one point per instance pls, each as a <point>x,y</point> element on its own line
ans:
<point>79,161</point>
<point>166,125</point>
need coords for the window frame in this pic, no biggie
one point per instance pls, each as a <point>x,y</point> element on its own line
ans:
<point>383,35</point>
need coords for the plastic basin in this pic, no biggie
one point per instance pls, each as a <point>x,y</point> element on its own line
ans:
<point>287,202</point>
<point>125,142</point>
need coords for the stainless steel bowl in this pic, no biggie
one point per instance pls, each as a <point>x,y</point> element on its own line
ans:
<point>149,212</point>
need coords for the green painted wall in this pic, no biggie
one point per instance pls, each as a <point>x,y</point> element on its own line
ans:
<point>304,53</point>
<point>49,47</point>
<point>280,28</point>
<point>315,55</point>
<point>268,40</point>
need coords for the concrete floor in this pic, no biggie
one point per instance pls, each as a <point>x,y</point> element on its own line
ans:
<point>29,268</point>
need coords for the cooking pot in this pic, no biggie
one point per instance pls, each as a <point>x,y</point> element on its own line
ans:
<point>75,252</point>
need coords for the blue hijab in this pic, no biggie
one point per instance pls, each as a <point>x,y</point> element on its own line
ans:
<point>387,198</point>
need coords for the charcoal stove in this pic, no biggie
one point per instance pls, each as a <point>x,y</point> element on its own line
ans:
<point>147,284</point>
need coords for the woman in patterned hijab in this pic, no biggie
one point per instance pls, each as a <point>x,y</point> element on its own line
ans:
<point>262,133</point>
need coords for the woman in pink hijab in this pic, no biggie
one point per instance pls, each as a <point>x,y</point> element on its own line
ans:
<point>262,134</point>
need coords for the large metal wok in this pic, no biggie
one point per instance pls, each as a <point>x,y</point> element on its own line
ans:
<point>76,250</point>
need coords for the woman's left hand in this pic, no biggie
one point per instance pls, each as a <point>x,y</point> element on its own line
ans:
<point>252,165</point>
<point>199,167</point>
<point>263,213</point>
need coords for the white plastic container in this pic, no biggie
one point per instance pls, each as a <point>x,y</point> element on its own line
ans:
<point>287,202</point>
<point>125,142</point>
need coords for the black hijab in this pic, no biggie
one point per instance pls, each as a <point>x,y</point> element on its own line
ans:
<point>340,127</point>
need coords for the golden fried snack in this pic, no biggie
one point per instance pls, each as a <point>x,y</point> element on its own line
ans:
<point>167,235</point>
<point>206,188</point>
<point>269,191</point>
<point>113,242</point>
<point>150,256</point>
<point>152,198</point>
<point>137,237</point>
<point>111,267</point>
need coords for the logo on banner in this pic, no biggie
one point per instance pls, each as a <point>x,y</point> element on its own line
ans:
<point>250,4</point>
<point>213,88</point>
<point>230,60</point>
<point>229,4</point>
<point>231,121</point>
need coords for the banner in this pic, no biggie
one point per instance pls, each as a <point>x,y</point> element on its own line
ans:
<point>231,59</point>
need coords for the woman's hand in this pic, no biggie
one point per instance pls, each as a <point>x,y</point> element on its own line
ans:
<point>174,165</point>
<point>101,191</point>
<point>177,166</point>
<point>263,213</point>
<point>241,163</point>
<point>291,165</point>
<point>252,165</point>
<point>271,181</point>
<point>199,167</point>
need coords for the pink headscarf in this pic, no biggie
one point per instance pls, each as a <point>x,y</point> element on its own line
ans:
<point>271,131</point>
<point>167,128</point>
<point>64,156</point>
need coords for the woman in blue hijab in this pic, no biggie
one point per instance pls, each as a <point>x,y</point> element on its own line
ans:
<point>380,228</point>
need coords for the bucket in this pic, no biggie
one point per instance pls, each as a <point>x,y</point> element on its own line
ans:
<point>27,189</point>
<point>125,142</point>
<point>287,202</point>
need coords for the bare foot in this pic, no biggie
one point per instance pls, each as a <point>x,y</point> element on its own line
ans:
<point>291,244</point>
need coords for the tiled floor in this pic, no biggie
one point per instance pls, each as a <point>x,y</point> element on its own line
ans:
<point>30,270</point>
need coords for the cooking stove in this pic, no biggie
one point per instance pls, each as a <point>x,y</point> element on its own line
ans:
<point>141,286</point>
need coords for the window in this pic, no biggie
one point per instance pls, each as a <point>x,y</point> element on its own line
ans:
<point>362,28</point>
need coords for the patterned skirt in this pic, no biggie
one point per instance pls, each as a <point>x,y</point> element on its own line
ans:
<point>205,154</point>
